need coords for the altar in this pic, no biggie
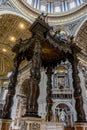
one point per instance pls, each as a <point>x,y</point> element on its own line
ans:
<point>44,50</point>
<point>31,123</point>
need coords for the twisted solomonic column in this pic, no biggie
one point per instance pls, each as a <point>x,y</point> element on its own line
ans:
<point>77,91</point>
<point>32,105</point>
<point>49,94</point>
<point>11,89</point>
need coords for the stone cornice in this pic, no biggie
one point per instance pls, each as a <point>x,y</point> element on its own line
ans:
<point>53,19</point>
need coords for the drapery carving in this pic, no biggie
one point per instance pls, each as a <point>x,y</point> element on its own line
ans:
<point>34,126</point>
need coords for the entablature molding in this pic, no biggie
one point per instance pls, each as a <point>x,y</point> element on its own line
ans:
<point>53,19</point>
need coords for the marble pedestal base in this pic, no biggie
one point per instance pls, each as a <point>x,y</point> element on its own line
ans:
<point>5,124</point>
<point>30,123</point>
<point>80,126</point>
<point>52,126</point>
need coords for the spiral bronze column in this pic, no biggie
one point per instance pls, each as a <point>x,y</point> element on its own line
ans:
<point>32,105</point>
<point>77,91</point>
<point>49,94</point>
<point>11,89</point>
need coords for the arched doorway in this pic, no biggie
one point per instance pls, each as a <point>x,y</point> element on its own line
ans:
<point>24,92</point>
<point>21,103</point>
<point>64,114</point>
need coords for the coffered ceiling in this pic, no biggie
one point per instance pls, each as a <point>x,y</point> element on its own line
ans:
<point>12,28</point>
<point>81,38</point>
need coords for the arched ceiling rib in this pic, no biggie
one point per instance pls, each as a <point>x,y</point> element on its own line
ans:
<point>53,18</point>
<point>81,38</point>
<point>12,28</point>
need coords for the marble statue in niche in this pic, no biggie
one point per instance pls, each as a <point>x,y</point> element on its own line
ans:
<point>64,114</point>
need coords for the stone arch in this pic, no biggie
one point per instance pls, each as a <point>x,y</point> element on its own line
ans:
<point>15,13</point>
<point>64,112</point>
<point>81,40</point>
<point>83,22</point>
<point>7,31</point>
<point>59,102</point>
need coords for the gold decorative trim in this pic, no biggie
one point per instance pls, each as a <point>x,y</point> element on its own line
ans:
<point>55,19</point>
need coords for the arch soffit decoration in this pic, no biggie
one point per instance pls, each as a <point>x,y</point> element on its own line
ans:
<point>81,37</point>
<point>9,26</point>
<point>80,25</point>
<point>66,103</point>
<point>19,5</point>
<point>3,12</point>
<point>24,12</point>
<point>5,65</point>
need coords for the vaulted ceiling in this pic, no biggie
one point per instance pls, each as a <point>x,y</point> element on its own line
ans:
<point>12,28</point>
<point>81,38</point>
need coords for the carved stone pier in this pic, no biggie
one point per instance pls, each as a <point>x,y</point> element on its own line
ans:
<point>5,124</point>
<point>80,126</point>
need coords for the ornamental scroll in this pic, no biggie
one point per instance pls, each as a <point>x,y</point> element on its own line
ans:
<point>34,126</point>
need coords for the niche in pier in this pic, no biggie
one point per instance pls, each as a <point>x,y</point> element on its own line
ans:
<point>60,78</point>
<point>64,113</point>
<point>23,94</point>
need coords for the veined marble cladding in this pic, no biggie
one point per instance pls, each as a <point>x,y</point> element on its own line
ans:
<point>83,78</point>
<point>20,99</point>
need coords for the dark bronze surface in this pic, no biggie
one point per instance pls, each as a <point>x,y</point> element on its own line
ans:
<point>49,94</point>
<point>45,50</point>
<point>11,89</point>
<point>32,105</point>
<point>77,90</point>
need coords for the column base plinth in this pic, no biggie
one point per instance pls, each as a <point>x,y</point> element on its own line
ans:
<point>5,124</point>
<point>31,123</point>
<point>31,114</point>
<point>80,126</point>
